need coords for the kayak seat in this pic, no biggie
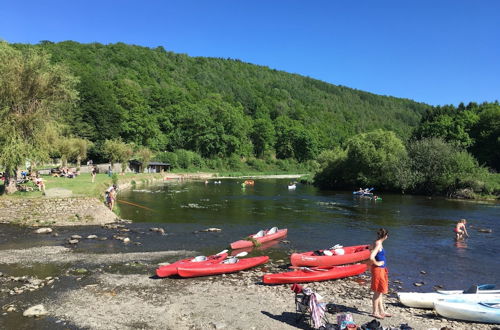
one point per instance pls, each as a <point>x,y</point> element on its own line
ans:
<point>199,258</point>
<point>473,289</point>
<point>273,230</point>
<point>259,234</point>
<point>231,260</point>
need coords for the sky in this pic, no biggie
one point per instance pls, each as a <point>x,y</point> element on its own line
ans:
<point>433,51</point>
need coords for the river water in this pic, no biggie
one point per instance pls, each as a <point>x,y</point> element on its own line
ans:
<point>420,247</point>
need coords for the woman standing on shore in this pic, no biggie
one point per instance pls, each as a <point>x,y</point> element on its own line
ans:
<point>380,277</point>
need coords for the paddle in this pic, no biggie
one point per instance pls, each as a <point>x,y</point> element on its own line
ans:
<point>241,254</point>
<point>312,269</point>
<point>221,252</point>
<point>136,205</point>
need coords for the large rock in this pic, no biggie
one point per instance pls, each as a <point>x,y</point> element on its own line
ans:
<point>44,230</point>
<point>35,311</point>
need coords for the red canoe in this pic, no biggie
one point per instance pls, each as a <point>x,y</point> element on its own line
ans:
<point>261,247</point>
<point>169,270</point>
<point>221,268</point>
<point>245,243</point>
<point>351,255</point>
<point>315,274</point>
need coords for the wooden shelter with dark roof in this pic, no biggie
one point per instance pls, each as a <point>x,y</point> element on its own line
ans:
<point>153,167</point>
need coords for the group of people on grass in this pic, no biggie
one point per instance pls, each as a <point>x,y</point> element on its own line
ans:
<point>33,176</point>
<point>66,172</point>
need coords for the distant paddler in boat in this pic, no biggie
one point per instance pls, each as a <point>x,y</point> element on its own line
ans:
<point>249,182</point>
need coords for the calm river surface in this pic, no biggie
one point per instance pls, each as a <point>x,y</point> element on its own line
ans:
<point>421,234</point>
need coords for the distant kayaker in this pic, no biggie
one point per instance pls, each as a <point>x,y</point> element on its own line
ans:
<point>460,230</point>
<point>380,277</point>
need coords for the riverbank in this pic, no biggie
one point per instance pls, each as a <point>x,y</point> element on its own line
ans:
<point>79,201</point>
<point>81,289</point>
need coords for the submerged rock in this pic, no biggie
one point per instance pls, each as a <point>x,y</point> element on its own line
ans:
<point>159,230</point>
<point>212,230</point>
<point>35,311</point>
<point>45,230</point>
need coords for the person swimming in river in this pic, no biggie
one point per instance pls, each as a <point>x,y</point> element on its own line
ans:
<point>460,230</point>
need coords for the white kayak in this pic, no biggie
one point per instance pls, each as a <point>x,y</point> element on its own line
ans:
<point>487,311</point>
<point>427,299</point>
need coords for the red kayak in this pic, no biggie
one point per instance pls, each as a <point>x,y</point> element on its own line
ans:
<point>315,274</point>
<point>221,267</point>
<point>342,256</point>
<point>261,247</point>
<point>268,235</point>
<point>169,270</point>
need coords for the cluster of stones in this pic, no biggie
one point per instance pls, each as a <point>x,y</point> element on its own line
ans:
<point>29,283</point>
<point>51,210</point>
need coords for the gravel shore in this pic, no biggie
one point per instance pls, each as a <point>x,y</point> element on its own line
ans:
<point>100,297</point>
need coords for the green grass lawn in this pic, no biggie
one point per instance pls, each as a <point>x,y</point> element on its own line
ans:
<point>82,185</point>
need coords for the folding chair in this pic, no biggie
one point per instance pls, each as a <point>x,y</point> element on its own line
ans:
<point>303,310</point>
<point>301,304</point>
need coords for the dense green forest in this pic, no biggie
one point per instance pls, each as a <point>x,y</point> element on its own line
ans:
<point>217,108</point>
<point>120,102</point>
<point>453,151</point>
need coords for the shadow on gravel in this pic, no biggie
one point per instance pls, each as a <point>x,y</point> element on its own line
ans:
<point>288,318</point>
<point>336,308</point>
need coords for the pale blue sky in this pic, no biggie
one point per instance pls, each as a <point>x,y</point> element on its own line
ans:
<point>437,52</point>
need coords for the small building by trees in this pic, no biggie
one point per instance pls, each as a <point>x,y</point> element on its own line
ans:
<point>152,167</point>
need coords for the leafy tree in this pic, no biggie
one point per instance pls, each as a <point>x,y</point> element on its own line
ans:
<point>262,136</point>
<point>66,150</point>
<point>332,170</point>
<point>439,167</point>
<point>294,141</point>
<point>373,159</point>
<point>144,155</point>
<point>80,149</point>
<point>117,151</point>
<point>451,124</point>
<point>486,134</point>
<point>33,92</point>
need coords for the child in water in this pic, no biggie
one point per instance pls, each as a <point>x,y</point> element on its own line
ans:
<point>460,230</point>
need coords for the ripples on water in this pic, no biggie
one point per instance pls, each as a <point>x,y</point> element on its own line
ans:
<point>420,228</point>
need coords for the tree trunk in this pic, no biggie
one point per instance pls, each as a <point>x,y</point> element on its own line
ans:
<point>78,162</point>
<point>10,183</point>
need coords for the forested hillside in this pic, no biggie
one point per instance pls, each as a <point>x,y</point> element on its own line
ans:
<point>216,107</point>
